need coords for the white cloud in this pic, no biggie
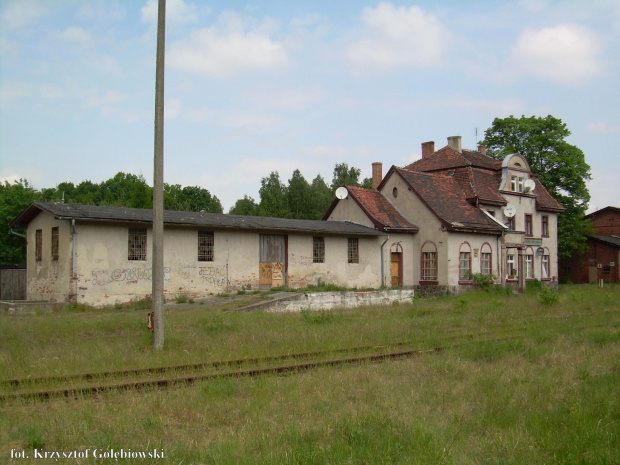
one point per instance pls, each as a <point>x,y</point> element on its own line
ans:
<point>399,37</point>
<point>172,108</point>
<point>19,14</point>
<point>500,107</point>
<point>111,97</point>
<point>288,99</point>
<point>565,54</point>
<point>603,128</point>
<point>176,11</point>
<point>228,48</point>
<point>75,34</point>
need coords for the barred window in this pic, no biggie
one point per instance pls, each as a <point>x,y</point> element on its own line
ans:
<point>206,243</point>
<point>429,266</point>
<point>38,245</point>
<point>353,250</point>
<point>318,249</point>
<point>137,244</point>
<point>55,254</point>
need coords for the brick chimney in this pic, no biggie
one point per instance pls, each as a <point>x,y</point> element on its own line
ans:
<point>482,149</point>
<point>428,148</point>
<point>377,174</point>
<point>454,142</point>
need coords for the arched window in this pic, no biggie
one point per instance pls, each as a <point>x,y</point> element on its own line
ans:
<point>486,259</point>
<point>465,273</point>
<point>429,262</point>
<point>529,263</point>
<point>544,264</point>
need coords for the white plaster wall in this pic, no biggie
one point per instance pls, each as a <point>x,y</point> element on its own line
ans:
<point>49,279</point>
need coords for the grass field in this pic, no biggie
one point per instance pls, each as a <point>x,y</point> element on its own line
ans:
<point>526,378</point>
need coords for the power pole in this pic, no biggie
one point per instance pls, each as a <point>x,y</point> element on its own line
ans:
<point>158,184</point>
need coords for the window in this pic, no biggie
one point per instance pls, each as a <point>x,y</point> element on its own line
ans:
<point>511,223</point>
<point>528,225</point>
<point>318,249</point>
<point>520,184</point>
<point>205,246</point>
<point>544,226</point>
<point>55,254</point>
<point>465,263</point>
<point>137,244</point>
<point>511,266</point>
<point>486,260</point>
<point>465,266</point>
<point>529,266</point>
<point>545,267</point>
<point>429,266</point>
<point>353,250</point>
<point>513,183</point>
<point>38,245</point>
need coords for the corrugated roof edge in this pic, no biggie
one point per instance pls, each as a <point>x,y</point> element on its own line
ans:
<point>190,219</point>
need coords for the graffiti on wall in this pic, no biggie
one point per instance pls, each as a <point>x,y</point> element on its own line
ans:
<point>125,275</point>
<point>213,275</point>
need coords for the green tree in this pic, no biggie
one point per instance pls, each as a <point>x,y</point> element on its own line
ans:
<point>245,206</point>
<point>322,197</point>
<point>560,166</point>
<point>14,198</point>
<point>299,197</point>
<point>273,197</point>
<point>345,176</point>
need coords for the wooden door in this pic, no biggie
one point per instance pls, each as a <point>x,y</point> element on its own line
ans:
<point>396,269</point>
<point>272,261</point>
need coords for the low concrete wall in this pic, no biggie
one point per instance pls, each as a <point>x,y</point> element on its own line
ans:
<point>27,307</point>
<point>330,300</point>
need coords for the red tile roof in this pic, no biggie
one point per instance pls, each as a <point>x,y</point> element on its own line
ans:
<point>379,210</point>
<point>445,197</point>
<point>448,158</point>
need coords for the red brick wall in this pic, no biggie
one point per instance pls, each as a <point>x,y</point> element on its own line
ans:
<point>606,223</point>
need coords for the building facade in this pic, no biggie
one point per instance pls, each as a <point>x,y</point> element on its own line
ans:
<point>474,215</point>
<point>102,255</point>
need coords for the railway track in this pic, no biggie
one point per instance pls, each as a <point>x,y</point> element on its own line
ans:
<point>94,384</point>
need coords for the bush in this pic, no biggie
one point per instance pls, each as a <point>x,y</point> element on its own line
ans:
<point>548,296</point>
<point>483,281</point>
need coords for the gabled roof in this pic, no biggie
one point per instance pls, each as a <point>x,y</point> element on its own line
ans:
<point>448,158</point>
<point>544,200</point>
<point>90,213</point>
<point>379,210</point>
<point>603,210</point>
<point>443,195</point>
<point>609,240</point>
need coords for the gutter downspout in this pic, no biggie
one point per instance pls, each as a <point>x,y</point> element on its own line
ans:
<point>74,257</point>
<point>18,234</point>
<point>387,237</point>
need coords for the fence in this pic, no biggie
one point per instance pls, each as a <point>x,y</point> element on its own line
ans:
<point>12,282</point>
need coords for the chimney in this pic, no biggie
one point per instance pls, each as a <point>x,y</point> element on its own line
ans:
<point>454,142</point>
<point>482,149</point>
<point>428,148</point>
<point>377,174</point>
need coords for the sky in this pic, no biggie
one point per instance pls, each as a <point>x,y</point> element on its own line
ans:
<point>253,87</point>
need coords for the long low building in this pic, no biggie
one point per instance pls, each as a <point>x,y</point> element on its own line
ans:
<point>102,255</point>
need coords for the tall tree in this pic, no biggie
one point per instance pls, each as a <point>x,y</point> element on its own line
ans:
<point>322,197</point>
<point>345,176</point>
<point>298,196</point>
<point>245,206</point>
<point>273,197</point>
<point>14,197</point>
<point>560,166</point>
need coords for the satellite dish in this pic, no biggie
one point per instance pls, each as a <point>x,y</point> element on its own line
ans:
<point>510,211</point>
<point>342,193</point>
<point>529,186</point>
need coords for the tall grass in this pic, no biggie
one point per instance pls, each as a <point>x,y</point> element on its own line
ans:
<point>550,395</point>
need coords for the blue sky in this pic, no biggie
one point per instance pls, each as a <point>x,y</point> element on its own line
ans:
<point>253,87</point>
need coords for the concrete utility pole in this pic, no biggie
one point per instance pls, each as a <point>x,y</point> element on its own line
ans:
<point>158,184</point>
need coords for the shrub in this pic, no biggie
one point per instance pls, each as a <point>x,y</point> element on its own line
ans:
<point>548,296</point>
<point>483,281</point>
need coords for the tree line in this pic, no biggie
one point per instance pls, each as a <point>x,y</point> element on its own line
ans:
<point>297,199</point>
<point>561,167</point>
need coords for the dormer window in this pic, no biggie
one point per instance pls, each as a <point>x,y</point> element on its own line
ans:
<point>516,183</point>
